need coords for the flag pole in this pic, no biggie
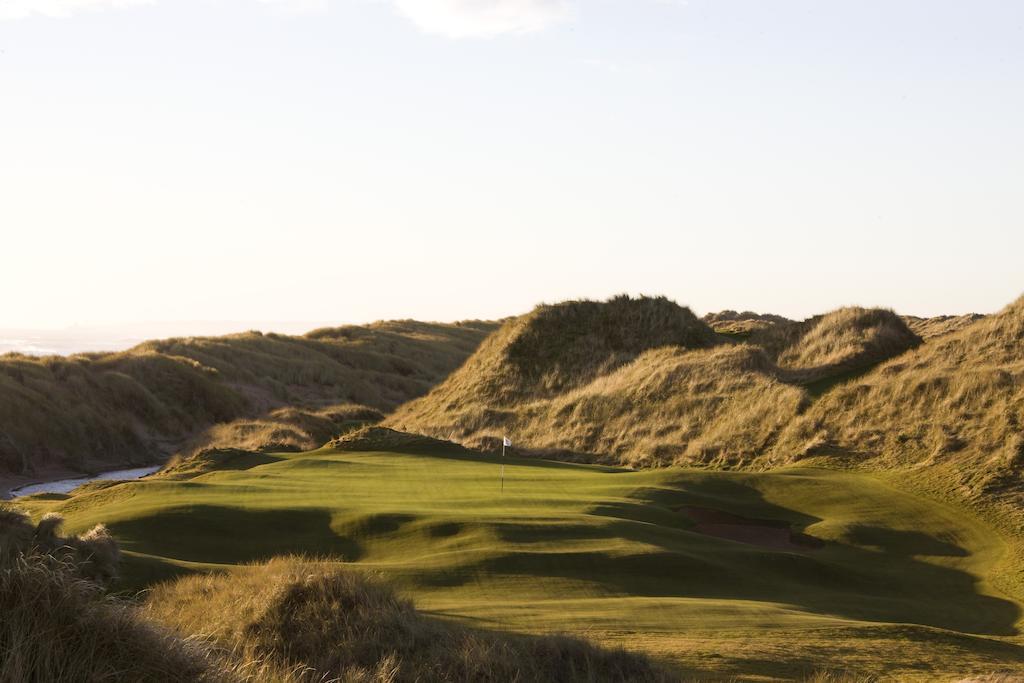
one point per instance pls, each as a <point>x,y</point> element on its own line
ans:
<point>503,440</point>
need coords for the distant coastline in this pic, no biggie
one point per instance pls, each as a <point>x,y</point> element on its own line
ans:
<point>99,338</point>
<point>61,344</point>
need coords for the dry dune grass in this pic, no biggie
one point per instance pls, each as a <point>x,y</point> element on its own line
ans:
<point>93,411</point>
<point>700,399</point>
<point>742,324</point>
<point>56,623</point>
<point>845,340</point>
<point>928,328</point>
<point>556,348</point>
<point>719,406</point>
<point>956,403</point>
<point>389,440</point>
<point>323,623</point>
<point>284,430</point>
<point>59,627</point>
<point>93,555</point>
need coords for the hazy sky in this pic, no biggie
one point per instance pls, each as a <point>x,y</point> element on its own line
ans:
<point>349,160</point>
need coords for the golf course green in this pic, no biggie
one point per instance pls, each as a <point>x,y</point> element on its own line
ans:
<point>755,576</point>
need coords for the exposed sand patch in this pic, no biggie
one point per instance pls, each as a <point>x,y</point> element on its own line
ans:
<point>767,533</point>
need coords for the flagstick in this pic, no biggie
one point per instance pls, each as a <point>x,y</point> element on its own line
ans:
<point>503,466</point>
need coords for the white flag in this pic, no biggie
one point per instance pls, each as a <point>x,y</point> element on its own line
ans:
<point>506,441</point>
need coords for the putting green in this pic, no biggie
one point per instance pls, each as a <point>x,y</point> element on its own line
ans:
<point>876,580</point>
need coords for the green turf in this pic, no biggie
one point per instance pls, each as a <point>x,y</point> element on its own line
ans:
<point>901,586</point>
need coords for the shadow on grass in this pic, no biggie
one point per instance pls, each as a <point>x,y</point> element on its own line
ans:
<point>227,535</point>
<point>902,542</point>
<point>874,574</point>
<point>521,459</point>
<point>138,572</point>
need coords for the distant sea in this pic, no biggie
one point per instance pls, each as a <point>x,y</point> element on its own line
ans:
<point>59,343</point>
<point>67,341</point>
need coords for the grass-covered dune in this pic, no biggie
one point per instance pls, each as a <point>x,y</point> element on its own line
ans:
<point>718,574</point>
<point>643,381</point>
<point>742,324</point>
<point>93,411</point>
<point>928,328</point>
<point>949,414</point>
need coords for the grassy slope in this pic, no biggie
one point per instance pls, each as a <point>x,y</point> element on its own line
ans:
<point>607,553</point>
<point>741,325</point>
<point>929,328</point>
<point>956,405</point>
<point>644,382</point>
<point>93,411</point>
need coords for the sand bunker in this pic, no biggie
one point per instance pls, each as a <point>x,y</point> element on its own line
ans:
<point>767,533</point>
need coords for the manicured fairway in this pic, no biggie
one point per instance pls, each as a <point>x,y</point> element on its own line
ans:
<point>886,582</point>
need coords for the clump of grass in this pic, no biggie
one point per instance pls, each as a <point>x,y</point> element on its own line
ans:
<point>838,677</point>
<point>845,340</point>
<point>323,623</point>
<point>56,624</point>
<point>93,555</point>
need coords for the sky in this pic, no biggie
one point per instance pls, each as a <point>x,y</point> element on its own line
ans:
<point>339,161</point>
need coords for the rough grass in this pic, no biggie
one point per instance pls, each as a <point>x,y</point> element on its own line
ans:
<point>952,411</point>
<point>558,347</point>
<point>670,398</point>
<point>741,325</point>
<point>90,412</point>
<point>56,624</point>
<point>92,555</point>
<point>842,341</point>
<point>929,328</point>
<point>284,429</point>
<point>323,622</point>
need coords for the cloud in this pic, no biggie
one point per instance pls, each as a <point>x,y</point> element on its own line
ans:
<point>297,6</point>
<point>449,18</point>
<point>483,18</point>
<point>17,9</point>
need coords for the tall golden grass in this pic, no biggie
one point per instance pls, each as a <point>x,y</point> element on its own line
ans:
<point>682,395</point>
<point>324,623</point>
<point>93,411</point>
<point>928,328</point>
<point>93,555</point>
<point>284,429</point>
<point>956,404</point>
<point>742,324</point>
<point>56,624</point>
<point>845,340</point>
